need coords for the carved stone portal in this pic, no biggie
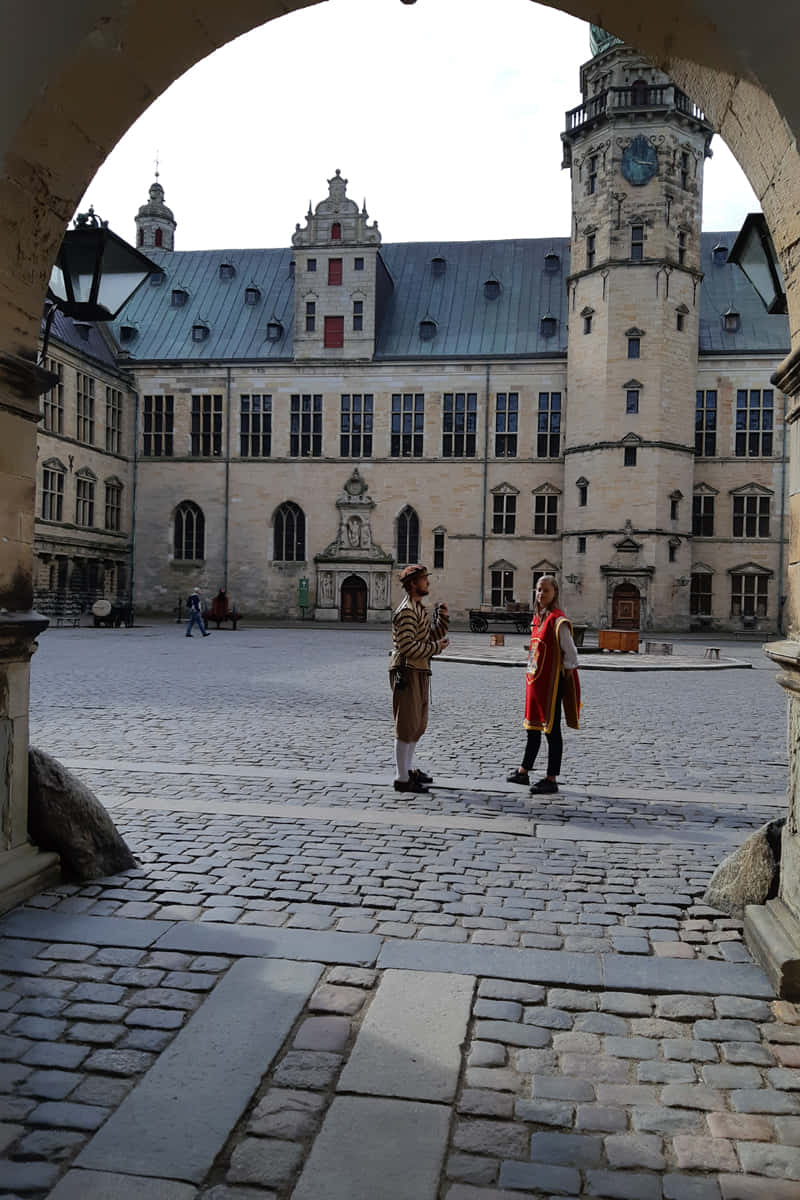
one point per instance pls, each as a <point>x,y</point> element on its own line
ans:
<point>351,557</point>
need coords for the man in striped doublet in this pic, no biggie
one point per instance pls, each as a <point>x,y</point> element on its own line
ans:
<point>416,638</point>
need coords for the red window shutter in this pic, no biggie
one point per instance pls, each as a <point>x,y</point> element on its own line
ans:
<point>334,270</point>
<point>334,332</point>
<point>159,238</point>
<point>336,232</point>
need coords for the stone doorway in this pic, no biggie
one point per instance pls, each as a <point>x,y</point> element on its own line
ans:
<point>625,607</point>
<point>353,605</point>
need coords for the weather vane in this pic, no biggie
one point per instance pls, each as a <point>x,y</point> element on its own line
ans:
<point>156,164</point>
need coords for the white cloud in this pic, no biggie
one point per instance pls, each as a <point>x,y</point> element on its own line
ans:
<point>445,115</point>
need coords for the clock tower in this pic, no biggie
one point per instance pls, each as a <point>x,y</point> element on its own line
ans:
<point>635,149</point>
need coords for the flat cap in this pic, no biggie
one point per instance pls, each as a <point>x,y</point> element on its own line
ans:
<point>413,569</point>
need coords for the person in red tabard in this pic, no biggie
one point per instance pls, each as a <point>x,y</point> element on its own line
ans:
<point>551,684</point>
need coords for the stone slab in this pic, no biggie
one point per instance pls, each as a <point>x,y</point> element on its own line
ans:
<point>93,931</point>
<point>409,1044</point>
<point>177,1119</point>
<point>637,833</point>
<point>497,962</point>
<point>371,1147</point>
<point>698,976</point>
<point>107,1185</point>
<point>305,945</point>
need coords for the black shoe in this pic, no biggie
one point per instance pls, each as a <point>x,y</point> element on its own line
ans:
<point>544,787</point>
<point>410,785</point>
<point>206,635</point>
<point>420,776</point>
<point>518,777</point>
<point>188,635</point>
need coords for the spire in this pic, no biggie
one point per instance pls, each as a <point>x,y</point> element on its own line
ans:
<point>155,222</point>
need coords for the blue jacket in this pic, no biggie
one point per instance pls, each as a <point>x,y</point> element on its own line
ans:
<point>194,603</point>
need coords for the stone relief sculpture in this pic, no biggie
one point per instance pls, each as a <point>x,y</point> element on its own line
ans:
<point>326,589</point>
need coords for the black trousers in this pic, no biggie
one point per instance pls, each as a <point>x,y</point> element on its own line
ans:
<point>555,742</point>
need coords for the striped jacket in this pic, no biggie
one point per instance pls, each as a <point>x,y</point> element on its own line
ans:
<point>414,636</point>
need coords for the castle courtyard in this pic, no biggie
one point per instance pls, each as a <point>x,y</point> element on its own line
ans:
<point>313,987</point>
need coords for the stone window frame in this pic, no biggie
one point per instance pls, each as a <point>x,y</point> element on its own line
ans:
<point>546,504</point>
<point>504,510</point>
<point>288,533</point>
<point>113,504</point>
<point>188,532</point>
<point>53,400</point>
<point>54,474</point>
<point>506,438</point>
<point>85,485</point>
<point>407,535</point>
<point>754,597</point>
<point>751,509</point>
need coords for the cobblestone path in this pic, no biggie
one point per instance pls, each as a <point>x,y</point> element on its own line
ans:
<point>314,989</point>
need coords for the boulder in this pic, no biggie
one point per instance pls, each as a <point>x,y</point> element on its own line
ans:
<point>65,816</point>
<point>750,875</point>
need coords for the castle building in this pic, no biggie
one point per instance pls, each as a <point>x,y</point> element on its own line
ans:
<point>302,421</point>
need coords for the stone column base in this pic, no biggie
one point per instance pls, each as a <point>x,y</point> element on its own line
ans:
<point>24,871</point>
<point>772,933</point>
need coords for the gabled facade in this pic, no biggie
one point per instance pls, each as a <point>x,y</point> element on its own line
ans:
<point>312,418</point>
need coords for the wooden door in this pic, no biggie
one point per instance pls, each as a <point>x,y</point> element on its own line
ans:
<point>353,605</point>
<point>625,607</point>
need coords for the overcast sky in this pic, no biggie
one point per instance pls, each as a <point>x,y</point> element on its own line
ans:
<point>446,116</point>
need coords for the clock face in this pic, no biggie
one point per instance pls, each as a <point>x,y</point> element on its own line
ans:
<point>639,162</point>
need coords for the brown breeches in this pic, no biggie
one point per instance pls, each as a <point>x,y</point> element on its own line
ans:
<point>410,706</point>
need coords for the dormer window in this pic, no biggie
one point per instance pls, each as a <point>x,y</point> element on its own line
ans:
<point>252,294</point>
<point>552,262</point>
<point>200,331</point>
<point>227,270</point>
<point>157,279</point>
<point>438,267</point>
<point>548,325</point>
<point>427,329</point>
<point>336,232</point>
<point>731,321</point>
<point>83,329</point>
<point>720,255</point>
<point>179,297</point>
<point>274,330</point>
<point>127,333</point>
<point>491,289</point>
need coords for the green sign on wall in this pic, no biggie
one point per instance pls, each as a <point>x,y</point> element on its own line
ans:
<point>302,593</point>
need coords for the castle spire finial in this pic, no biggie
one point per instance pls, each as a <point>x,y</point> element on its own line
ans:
<point>157,172</point>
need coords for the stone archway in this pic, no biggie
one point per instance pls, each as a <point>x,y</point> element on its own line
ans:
<point>79,76</point>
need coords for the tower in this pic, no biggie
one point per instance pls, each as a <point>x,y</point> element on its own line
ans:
<point>340,279</point>
<point>636,148</point>
<point>155,223</point>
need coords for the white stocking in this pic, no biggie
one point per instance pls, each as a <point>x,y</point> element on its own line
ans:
<point>411,748</point>
<point>402,757</point>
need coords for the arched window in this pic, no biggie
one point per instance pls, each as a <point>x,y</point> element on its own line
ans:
<point>140,236</point>
<point>290,533</point>
<point>158,239</point>
<point>336,232</point>
<point>408,536</point>
<point>190,531</point>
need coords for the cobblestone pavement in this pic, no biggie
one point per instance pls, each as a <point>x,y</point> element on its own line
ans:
<point>312,698</point>
<point>314,989</point>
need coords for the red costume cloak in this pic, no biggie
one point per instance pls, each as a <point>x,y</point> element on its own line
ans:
<point>545,668</point>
